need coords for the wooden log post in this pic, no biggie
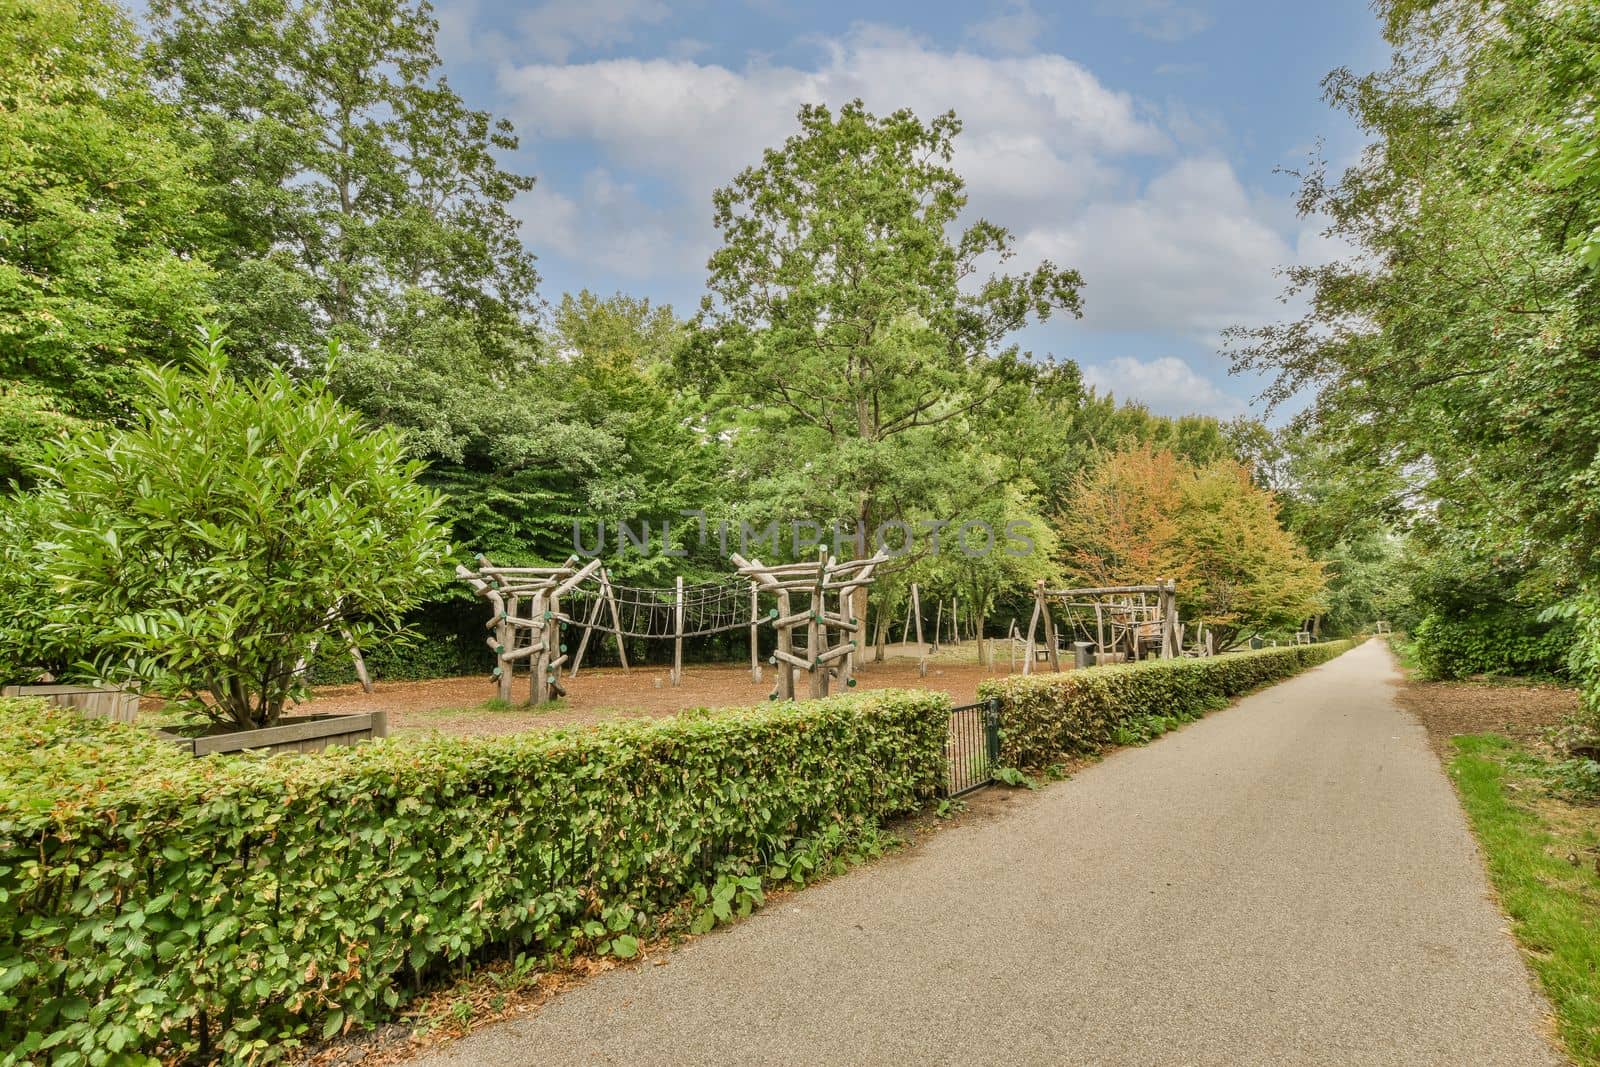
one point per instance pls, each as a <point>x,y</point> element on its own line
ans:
<point>1049,630</point>
<point>360,661</point>
<point>916,613</point>
<point>616,619</point>
<point>539,683</point>
<point>555,651</point>
<point>677,634</point>
<point>1169,619</point>
<point>847,669</point>
<point>814,634</point>
<point>755,642</point>
<point>785,687</point>
<point>1033,626</point>
<point>938,623</point>
<point>502,646</point>
<point>583,642</point>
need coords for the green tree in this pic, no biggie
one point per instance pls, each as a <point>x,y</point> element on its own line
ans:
<point>1456,347</point>
<point>102,217</point>
<point>349,176</point>
<point>230,527</point>
<point>843,316</point>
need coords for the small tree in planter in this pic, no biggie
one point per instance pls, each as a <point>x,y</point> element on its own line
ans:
<point>230,527</point>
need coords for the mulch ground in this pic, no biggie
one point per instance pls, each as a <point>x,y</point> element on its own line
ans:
<point>1516,709</point>
<point>454,705</point>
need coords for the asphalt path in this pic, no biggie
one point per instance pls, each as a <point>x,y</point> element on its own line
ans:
<point>1289,881</point>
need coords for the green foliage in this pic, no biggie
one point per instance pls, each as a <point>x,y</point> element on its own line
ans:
<point>102,227</point>
<point>1049,717</point>
<point>1453,351</point>
<point>1013,777</point>
<point>1501,642</point>
<point>349,177</point>
<point>837,316</point>
<point>29,646</point>
<point>229,528</point>
<point>146,896</point>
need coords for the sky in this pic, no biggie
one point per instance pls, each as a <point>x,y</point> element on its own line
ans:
<point>1140,142</point>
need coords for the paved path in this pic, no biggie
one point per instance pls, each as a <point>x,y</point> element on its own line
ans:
<point>1290,881</point>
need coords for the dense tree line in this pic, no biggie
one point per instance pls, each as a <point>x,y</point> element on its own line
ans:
<point>299,173</point>
<point>1453,353</point>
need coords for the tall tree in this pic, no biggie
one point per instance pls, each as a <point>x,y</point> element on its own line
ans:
<point>349,174</point>
<point>844,316</point>
<point>102,221</point>
<point>1146,515</point>
<point>1458,343</point>
<point>1122,526</point>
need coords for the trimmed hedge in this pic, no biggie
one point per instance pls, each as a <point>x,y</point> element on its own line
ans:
<point>151,902</point>
<point>1049,717</point>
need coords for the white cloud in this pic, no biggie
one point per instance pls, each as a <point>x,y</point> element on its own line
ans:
<point>1166,385</point>
<point>1015,28</point>
<point>607,225</point>
<point>1047,150</point>
<point>1038,128</point>
<point>1190,253</point>
<point>556,29</point>
<point>1167,21</point>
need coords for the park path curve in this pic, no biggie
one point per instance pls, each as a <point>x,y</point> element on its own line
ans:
<point>1290,881</point>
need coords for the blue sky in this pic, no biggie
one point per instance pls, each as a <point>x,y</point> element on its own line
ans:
<point>1135,140</point>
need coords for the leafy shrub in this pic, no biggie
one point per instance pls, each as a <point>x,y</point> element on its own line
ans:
<point>231,526</point>
<point>152,902</point>
<point>1505,642</point>
<point>1048,716</point>
<point>29,644</point>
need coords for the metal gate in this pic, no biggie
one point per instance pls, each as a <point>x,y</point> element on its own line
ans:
<point>973,747</point>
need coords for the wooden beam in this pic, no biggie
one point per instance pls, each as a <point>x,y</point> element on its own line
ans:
<point>1108,590</point>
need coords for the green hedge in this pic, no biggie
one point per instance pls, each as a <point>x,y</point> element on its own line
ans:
<point>1504,642</point>
<point>155,903</point>
<point>1049,717</point>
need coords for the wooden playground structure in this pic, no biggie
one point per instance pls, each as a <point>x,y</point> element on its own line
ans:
<point>1119,622</point>
<point>833,637</point>
<point>530,605</point>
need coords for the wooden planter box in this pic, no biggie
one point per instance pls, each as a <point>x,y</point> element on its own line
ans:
<point>300,733</point>
<point>91,702</point>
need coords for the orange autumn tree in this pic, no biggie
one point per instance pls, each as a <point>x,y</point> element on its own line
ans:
<point>1145,514</point>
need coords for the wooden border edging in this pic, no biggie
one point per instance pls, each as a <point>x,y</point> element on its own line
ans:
<point>89,701</point>
<point>305,735</point>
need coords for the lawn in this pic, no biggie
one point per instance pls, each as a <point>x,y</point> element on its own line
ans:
<point>1543,855</point>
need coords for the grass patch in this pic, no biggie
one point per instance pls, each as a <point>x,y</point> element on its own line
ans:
<point>1543,854</point>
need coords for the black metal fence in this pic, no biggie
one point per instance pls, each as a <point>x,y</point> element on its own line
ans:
<point>973,747</point>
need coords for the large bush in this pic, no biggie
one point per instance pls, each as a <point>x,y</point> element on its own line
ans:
<point>1049,717</point>
<point>1501,642</point>
<point>230,528</point>
<point>151,901</point>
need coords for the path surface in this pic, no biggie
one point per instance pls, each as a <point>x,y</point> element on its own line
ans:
<point>1290,881</point>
